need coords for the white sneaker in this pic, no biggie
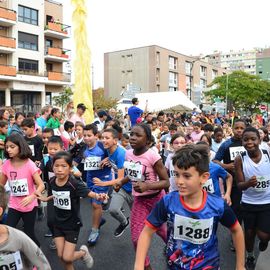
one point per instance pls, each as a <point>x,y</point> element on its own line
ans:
<point>87,258</point>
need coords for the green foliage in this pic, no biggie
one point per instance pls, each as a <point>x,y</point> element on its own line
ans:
<point>102,102</point>
<point>245,91</point>
<point>63,98</point>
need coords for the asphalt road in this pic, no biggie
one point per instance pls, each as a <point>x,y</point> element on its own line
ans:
<point>112,253</point>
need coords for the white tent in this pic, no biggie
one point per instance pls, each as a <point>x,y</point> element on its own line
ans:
<point>165,101</point>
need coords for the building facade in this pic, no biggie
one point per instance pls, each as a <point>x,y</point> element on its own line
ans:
<point>263,64</point>
<point>244,60</point>
<point>31,53</point>
<point>156,69</point>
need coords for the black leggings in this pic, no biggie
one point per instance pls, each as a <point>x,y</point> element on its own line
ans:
<point>28,218</point>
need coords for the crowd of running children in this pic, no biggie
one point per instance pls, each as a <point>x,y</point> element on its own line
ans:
<point>180,175</point>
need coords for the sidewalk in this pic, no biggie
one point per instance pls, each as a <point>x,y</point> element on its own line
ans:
<point>263,262</point>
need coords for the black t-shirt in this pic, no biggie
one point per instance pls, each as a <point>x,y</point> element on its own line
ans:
<point>67,202</point>
<point>36,146</point>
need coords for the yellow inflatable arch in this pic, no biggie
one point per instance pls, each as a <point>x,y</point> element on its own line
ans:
<point>82,63</point>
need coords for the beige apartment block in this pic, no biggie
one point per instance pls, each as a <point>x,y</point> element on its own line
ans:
<point>156,69</point>
<point>235,60</point>
<point>32,53</point>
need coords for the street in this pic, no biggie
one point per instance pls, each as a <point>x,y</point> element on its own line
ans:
<point>112,253</point>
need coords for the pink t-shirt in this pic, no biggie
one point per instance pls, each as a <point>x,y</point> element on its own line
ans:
<point>21,183</point>
<point>196,136</point>
<point>141,168</point>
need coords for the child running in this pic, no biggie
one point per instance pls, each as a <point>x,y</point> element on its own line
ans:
<point>144,168</point>
<point>253,178</point>
<point>24,180</point>
<point>116,155</point>
<point>192,217</point>
<point>66,191</point>
<point>18,251</point>
<point>177,141</point>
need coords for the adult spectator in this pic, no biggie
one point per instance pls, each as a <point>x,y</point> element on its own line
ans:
<point>16,128</point>
<point>78,116</point>
<point>4,115</point>
<point>134,112</point>
<point>42,120</point>
<point>100,120</point>
<point>111,115</point>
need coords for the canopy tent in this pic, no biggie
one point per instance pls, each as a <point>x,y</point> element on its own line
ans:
<point>166,101</point>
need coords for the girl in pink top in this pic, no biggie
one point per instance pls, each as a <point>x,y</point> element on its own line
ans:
<point>22,176</point>
<point>144,168</point>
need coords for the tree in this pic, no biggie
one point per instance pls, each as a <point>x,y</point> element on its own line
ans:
<point>63,98</point>
<point>102,102</point>
<point>245,91</point>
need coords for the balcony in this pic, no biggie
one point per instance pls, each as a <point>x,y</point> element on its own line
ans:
<point>7,17</point>
<point>55,77</point>
<point>57,54</point>
<point>7,45</point>
<point>57,30</point>
<point>6,70</point>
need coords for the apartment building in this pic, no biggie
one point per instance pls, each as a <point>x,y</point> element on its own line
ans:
<point>32,53</point>
<point>263,64</point>
<point>235,60</point>
<point>156,69</point>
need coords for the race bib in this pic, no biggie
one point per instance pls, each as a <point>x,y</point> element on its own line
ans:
<point>133,171</point>
<point>92,163</point>
<point>11,261</point>
<point>208,186</point>
<point>19,187</point>
<point>195,231</point>
<point>61,199</point>
<point>31,146</point>
<point>263,183</point>
<point>56,132</point>
<point>235,151</point>
<point>51,174</point>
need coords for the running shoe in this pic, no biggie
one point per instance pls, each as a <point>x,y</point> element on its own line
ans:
<point>87,258</point>
<point>250,263</point>
<point>263,246</point>
<point>93,237</point>
<point>120,229</point>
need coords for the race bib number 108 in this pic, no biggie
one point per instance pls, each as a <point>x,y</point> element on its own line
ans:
<point>196,231</point>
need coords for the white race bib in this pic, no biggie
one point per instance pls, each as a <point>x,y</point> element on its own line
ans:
<point>61,199</point>
<point>92,163</point>
<point>133,170</point>
<point>11,261</point>
<point>196,231</point>
<point>235,151</point>
<point>19,187</point>
<point>208,186</point>
<point>263,183</point>
<point>56,132</point>
<point>51,174</point>
<point>31,146</point>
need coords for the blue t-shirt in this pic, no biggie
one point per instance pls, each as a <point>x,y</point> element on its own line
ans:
<point>212,184</point>
<point>117,159</point>
<point>104,174</point>
<point>41,122</point>
<point>192,241</point>
<point>134,113</point>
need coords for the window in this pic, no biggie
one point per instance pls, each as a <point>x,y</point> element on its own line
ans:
<point>202,71</point>
<point>172,62</point>
<point>49,43</point>
<point>214,74</point>
<point>28,65</point>
<point>172,79</point>
<point>28,41</point>
<point>203,83</point>
<point>28,15</point>
<point>188,67</point>
<point>158,58</point>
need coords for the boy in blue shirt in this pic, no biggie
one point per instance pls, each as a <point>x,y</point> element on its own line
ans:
<point>116,157</point>
<point>93,155</point>
<point>192,217</point>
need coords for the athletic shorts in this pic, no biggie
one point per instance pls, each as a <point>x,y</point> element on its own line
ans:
<point>256,217</point>
<point>69,235</point>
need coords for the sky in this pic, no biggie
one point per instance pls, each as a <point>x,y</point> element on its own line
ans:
<point>190,27</point>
